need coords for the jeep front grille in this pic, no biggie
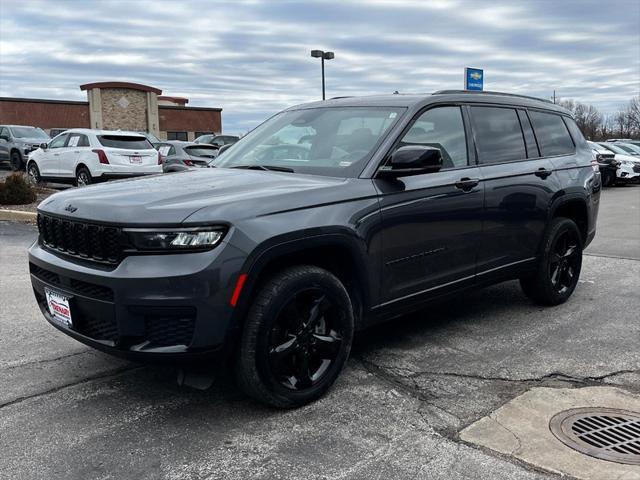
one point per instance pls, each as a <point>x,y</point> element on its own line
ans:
<point>83,240</point>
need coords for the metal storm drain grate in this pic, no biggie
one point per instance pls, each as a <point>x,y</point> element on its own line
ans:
<point>604,433</point>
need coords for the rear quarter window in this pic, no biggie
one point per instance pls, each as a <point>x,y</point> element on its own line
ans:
<point>125,141</point>
<point>552,134</point>
<point>575,132</point>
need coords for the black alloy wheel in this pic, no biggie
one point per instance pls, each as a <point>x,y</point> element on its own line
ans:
<point>305,339</point>
<point>564,262</point>
<point>296,338</point>
<point>556,274</point>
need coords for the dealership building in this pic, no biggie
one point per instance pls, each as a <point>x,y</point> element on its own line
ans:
<point>115,106</point>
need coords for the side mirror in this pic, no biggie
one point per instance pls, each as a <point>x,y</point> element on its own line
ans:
<point>412,160</point>
<point>44,146</point>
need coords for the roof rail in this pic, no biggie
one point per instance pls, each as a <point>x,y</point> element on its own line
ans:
<point>485,92</point>
<point>337,98</point>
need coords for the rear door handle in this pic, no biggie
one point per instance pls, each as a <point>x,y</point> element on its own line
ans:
<point>466,183</point>
<point>542,173</point>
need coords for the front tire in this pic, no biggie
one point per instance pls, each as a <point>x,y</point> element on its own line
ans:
<point>558,269</point>
<point>608,178</point>
<point>33,173</point>
<point>16,161</point>
<point>296,339</point>
<point>83,177</point>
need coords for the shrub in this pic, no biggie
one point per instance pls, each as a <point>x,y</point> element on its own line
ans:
<point>15,190</point>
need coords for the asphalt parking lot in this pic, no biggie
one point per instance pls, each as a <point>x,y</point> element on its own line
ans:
<point>68,412</point>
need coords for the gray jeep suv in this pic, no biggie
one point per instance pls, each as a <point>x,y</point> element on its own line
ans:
<point>18,141</point>
<point>327,218</point>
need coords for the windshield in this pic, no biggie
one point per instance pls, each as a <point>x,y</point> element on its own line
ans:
<point>202,151</point>
<point>29,132</point>
<point>614,148</point>
<point>203,139</point>
<point>323,141</point>
<point>629,148</point>
<point>125,141</point>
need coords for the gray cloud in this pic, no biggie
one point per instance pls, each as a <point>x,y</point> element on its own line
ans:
<point>252,57</point>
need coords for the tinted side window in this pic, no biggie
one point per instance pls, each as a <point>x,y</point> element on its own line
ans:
<point>575,132</point>
<point>441,127</point>
<point>498,134</point>
<point>552,134</point>
<point>84,141</point>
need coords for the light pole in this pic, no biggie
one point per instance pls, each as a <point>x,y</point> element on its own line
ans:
<point>323,56</point>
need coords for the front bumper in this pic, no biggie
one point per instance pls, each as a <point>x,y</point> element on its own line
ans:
<point>148,307</point>
<point>628,172</point>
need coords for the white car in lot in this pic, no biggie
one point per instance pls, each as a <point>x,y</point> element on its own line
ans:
<point>83,156</point>
<point>629,170</point>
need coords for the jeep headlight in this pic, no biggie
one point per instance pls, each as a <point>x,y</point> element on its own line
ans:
<point>195,238</point>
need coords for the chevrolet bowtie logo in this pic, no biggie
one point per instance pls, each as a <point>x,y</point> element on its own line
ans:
<point>70,208</point>
<point>476,75</point>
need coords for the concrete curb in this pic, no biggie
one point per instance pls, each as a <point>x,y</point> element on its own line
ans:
<point>18,216</point>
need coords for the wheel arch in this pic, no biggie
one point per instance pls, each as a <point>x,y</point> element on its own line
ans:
<point>82,165</point>
<point>575,208</point>
<point>338,253</point>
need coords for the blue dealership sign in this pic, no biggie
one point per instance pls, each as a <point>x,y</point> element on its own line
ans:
<point>473,78</point>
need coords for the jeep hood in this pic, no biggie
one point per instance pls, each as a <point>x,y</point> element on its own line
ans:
<point>169,199</point>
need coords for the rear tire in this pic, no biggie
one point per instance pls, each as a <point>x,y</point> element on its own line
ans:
<point>558,269</point>
<point>83,177</point>
<point>296,339</point>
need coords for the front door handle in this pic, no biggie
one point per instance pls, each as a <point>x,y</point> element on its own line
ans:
<point>466,184</point>
<point>542,173</point>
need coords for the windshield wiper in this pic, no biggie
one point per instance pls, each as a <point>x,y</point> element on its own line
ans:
<point>266,167</point>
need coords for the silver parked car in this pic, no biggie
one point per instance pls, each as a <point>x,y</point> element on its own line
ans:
<point>178,156</point>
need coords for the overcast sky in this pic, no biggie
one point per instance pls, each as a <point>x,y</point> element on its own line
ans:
<point>252,58</point>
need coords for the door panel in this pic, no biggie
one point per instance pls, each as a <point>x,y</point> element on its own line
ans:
<point>518,186</point>
<point>430,230</point>
<point>4,144</point>
<point>431,222</point>
<point>70,154</point>
<point>49,162</point>
<point>517,198</point>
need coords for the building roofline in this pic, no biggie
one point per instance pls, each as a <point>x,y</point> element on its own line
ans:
<point>180,107</point>
<point>128,85</point>
<point>42,100</point>
<point>181,100</point>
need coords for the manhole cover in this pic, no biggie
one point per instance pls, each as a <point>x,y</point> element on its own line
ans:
<point>605,433</point>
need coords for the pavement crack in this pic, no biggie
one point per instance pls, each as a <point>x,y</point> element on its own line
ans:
<point>411,374</point>
<point>44,360</point>
<point>518,447</point>
<point>92,378</point>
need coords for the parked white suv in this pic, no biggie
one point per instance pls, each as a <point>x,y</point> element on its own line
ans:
<point>85,156</point>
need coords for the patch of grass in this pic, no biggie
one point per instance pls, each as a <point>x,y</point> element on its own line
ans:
<point>16,190</point>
